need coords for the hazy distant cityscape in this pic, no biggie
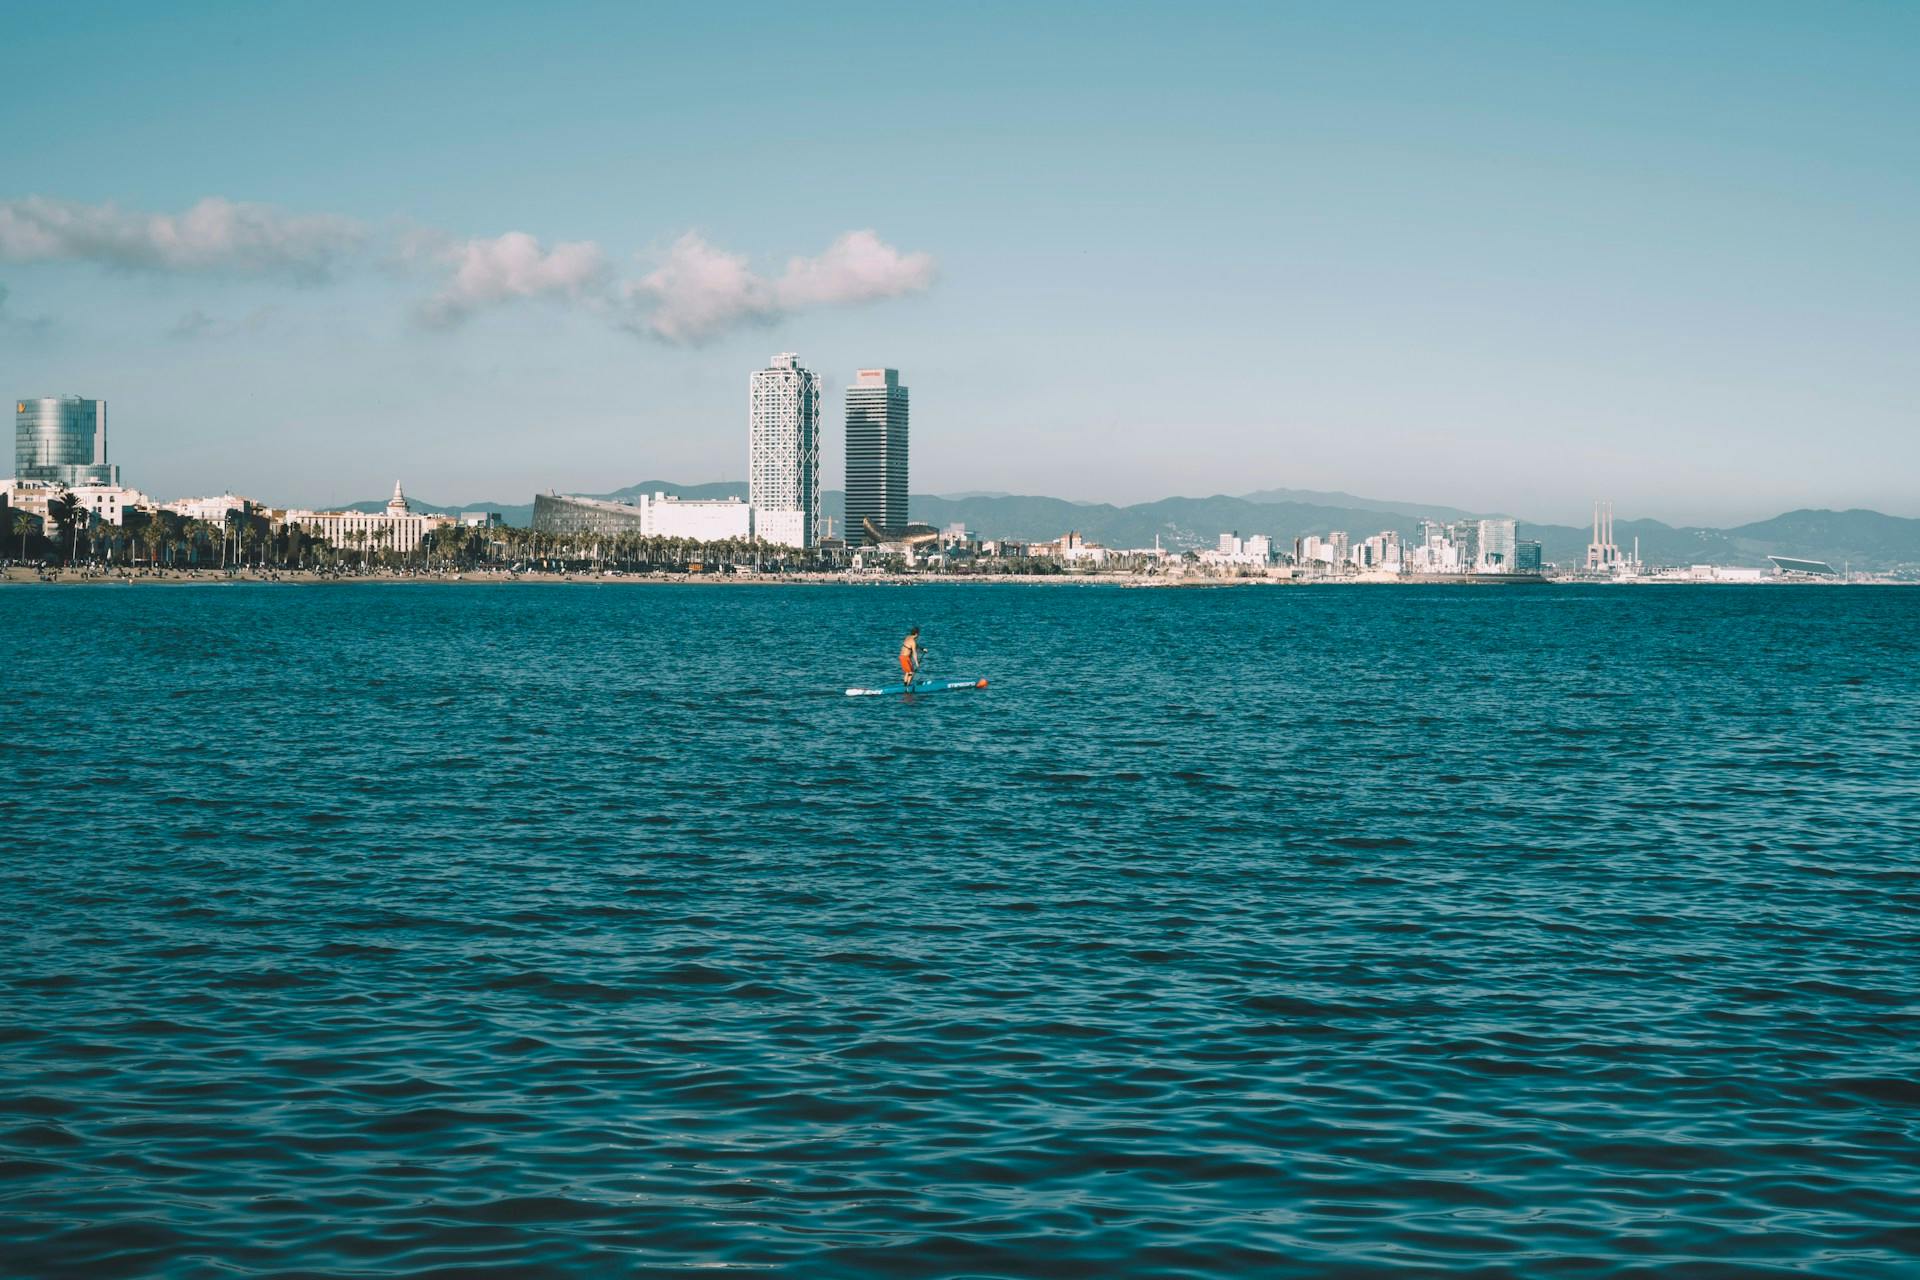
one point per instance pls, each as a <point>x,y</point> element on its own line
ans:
<point>66,504</point>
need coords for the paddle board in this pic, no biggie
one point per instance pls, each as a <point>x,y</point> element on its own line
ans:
<point>919,686</point>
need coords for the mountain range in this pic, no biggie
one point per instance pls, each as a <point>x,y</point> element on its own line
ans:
<point>1868,540</point>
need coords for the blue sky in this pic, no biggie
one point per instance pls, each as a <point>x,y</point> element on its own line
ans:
<point>1510,257</point>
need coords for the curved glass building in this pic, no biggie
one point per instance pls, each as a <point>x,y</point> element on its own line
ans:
<point>62,440</point>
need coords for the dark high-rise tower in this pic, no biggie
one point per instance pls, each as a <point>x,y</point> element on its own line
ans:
<point>876,454</point>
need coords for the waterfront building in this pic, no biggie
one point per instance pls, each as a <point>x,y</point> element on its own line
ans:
<point>876,454</point>
<point>1380,552</point>
<point>62,440</point>
<point>783,454</point>
<point>211,510</point>
<point>1313,549</point>
<point>110,503</point>
<point>1256,551</point>
<point>651,515</point>
<point>396,528</point>
<point>1796,567</point>
<point>1495,541</point>
<point>104,503</point>
<point>1070,547</point>
<point>1465,537</point>
<point>572,513</point>
<point>1436,552</point>
<point>1527,557</point>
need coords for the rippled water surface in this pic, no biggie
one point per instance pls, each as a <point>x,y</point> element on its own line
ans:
<point>590,930</point>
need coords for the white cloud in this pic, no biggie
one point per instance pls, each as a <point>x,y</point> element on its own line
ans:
<point>215,236</point>
<point>699,291</point>
<point>695,291</point>
<point>858,267</point>
<point>510,267</point>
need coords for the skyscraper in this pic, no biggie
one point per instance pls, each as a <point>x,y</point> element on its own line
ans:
<point>1496,544</point>
<point>783,452</point>
<point>62,440</point>
<point>876,454</point>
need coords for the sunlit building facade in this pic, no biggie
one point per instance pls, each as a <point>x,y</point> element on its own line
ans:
<point>397,528</point>
<point>876,455</point>
<point>655,515</point>
<point>783,452</point>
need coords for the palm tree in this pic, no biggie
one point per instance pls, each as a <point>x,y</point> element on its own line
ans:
<point>155,536</point>
<point>22,526</point>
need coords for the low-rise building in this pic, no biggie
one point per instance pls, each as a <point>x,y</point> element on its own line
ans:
<point>106,503</point>
<point>397,528</point>
<point>213,510</point>
<point>1235,551</point>
<point>111,502</point>
<point>653,515</point>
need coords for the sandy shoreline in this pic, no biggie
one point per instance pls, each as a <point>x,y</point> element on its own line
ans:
<point>18,576</point>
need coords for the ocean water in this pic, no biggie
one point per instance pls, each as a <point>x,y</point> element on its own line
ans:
<point>583,930</point>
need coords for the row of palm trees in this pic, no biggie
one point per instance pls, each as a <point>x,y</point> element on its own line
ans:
<point>248,540</point>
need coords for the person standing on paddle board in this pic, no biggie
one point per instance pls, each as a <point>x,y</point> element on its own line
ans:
<point>910,652</point>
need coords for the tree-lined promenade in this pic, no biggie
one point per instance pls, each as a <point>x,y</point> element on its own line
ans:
<point>163,543</point>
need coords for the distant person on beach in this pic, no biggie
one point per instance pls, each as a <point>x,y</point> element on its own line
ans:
<point>910,652</point>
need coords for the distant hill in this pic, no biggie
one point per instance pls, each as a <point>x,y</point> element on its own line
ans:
<point>514,513</point>
<point>1323,498</point>
<point>1868,540</point>
<point>723,489</point>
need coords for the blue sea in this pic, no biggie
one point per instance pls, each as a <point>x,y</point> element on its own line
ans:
<point>590,930</point>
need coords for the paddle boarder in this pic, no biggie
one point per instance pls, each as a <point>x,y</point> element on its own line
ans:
<point>910,652</point>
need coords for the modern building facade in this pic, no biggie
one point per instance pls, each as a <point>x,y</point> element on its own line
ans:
<point>783,452</point>
<point>1496,546</point>
<point>397,528</point>
<point>62,440</point>
<point>655,515</point>
<point>876,455</point>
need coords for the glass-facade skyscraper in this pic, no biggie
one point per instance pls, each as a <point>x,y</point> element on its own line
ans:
<point>783,452</point>
<point>62,440</point>
<point>876,454</point>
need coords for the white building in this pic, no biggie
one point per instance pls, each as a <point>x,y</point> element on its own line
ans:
<point>211,510</point>
<point>783,452</point>
<point>111,502</point>
<point>1313,549</point>
<point>651,515</point>
<point>397,528</point>
<point>1255,552</point>
<point>108,503</point>
<point>702,519</point>
<point>1381,552</point>
<point>1435,553</point>
<point>1496,546</point>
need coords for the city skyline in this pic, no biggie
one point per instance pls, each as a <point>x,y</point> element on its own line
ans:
<point>1500,260</point>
